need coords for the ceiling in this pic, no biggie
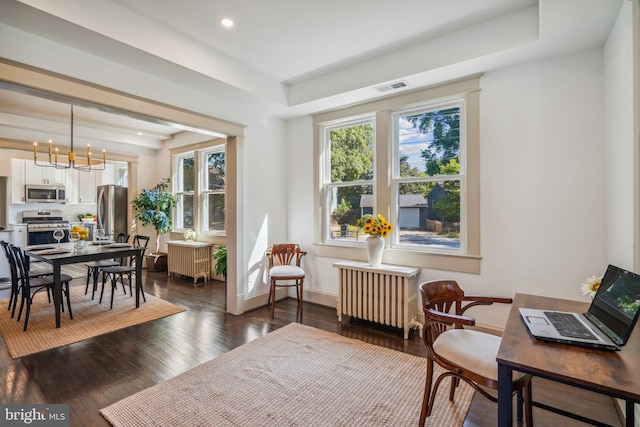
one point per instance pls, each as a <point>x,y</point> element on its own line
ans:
<point>283,57</point>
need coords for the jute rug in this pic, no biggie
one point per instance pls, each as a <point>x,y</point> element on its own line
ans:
<point>294,376</point>
<point>89,320</point>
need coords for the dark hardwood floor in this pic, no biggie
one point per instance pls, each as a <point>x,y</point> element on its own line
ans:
<point>94,373</point>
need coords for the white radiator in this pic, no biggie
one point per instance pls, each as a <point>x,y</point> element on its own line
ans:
<point>385,294</point>
<point>191,259</point>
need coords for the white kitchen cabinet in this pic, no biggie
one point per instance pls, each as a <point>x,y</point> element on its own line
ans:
<point>108,175</point>
<point>71,187</point>
<point>20,235</point>
<point>40,175</point>
<point>17,181</point>
<point>87,187</point>
<point>5,271</point>
<point>81,186</point>
<point>25,172</point>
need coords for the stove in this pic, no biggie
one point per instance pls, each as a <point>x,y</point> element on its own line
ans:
<point>42,224</point>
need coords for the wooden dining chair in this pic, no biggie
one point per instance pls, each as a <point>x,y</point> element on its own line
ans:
<point>31,286</point>
<point>126,269</point>
<point>93,267</point>
<point>283,273</point>
<point>465,354</point>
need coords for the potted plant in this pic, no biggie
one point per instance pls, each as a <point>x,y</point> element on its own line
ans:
<point>220,255</point>
<point>154,207</point>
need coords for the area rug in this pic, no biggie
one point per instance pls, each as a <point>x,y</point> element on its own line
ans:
<point>76,271</point>
<point>294,376</point>
<point>90,319</point>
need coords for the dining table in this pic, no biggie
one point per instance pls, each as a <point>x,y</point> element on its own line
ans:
<point>67,253</point>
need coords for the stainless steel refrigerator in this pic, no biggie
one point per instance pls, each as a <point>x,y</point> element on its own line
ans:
<point>112,210</point>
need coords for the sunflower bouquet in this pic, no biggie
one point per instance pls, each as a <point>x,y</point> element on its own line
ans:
<point>375,225</point>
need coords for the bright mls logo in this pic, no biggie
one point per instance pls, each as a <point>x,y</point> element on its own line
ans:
<point>36,415</point>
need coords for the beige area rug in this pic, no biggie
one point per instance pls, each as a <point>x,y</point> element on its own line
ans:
<point>294,376</point>
<point>74,270</point>
<point>90,319</point>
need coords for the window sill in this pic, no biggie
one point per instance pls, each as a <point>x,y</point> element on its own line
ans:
<point>437,261</point>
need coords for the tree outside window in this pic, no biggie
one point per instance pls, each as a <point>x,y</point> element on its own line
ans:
<point>429,177</point>
<point>351,174</point>
<point>200,185</point>
<point>184,189</point>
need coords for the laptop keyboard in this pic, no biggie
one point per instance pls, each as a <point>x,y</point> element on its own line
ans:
<point>568,325</point>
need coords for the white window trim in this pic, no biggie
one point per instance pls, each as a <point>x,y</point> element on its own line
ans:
<point>197,151</point>
<point>395,179</point>
<point>467,261</point>
<point>326,173</point>
<point>204,192</point>
<point>176,183</point>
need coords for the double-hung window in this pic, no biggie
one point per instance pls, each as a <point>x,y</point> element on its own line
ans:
<point>184,189</point>
<point>413,158</point>
<point>428,154</point>
<point>200,185</point>
<point>349,178</point>
<point>213,190</point>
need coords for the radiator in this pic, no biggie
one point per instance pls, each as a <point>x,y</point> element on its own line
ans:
<point>385,294</point>
<point>191,259</point>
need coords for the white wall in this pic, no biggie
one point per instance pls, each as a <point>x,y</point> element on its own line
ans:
<point>542,187</point>
<point>265,218</point>
<point>618,80</point>
<point>619,147</point>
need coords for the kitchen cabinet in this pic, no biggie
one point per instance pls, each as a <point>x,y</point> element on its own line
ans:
<point>19,235</point>
<point>39,175</point>
<point>25,172</point>
<point>108,175</point>
<point>17,181</point>
<point>81,187</point>
<point>5,272</point>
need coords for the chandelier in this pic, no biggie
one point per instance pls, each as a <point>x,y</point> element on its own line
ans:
<point>91,165</point>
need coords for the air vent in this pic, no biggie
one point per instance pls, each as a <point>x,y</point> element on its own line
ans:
<point>392,86</point>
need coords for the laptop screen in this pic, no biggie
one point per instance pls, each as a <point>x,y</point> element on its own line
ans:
<point>617,303</point>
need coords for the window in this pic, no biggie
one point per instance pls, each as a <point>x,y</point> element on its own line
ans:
<point>213,194</point>
<point>414,158</point>
<point>428,176</point>
<point>350,183</point>
<point>200,185</point>
<point>184,188</point>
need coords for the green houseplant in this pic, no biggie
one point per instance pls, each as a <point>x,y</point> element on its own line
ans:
<point>154,207</point>
<point>220,255</point>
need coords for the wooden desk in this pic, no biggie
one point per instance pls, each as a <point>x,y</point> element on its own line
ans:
<point>611,373</point>
<point>90,253</point>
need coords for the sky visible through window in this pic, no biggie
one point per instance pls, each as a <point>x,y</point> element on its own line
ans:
<point>411,143</point>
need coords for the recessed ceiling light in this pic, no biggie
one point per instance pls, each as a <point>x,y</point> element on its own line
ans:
<point>140,133</point>
<point>226,22</point>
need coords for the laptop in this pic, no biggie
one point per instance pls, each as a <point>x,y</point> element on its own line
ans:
<point>607,324</point>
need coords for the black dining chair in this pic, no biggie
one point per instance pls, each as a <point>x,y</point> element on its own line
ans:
<point>93,267</point>
<point>15,277</point>
<point>30,286</point>
<point>127,268</point>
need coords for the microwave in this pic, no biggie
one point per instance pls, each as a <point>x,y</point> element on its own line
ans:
<point>54,193</point>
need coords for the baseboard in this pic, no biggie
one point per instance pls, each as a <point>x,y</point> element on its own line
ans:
<point>321,298</point>
<point>312,296</point>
